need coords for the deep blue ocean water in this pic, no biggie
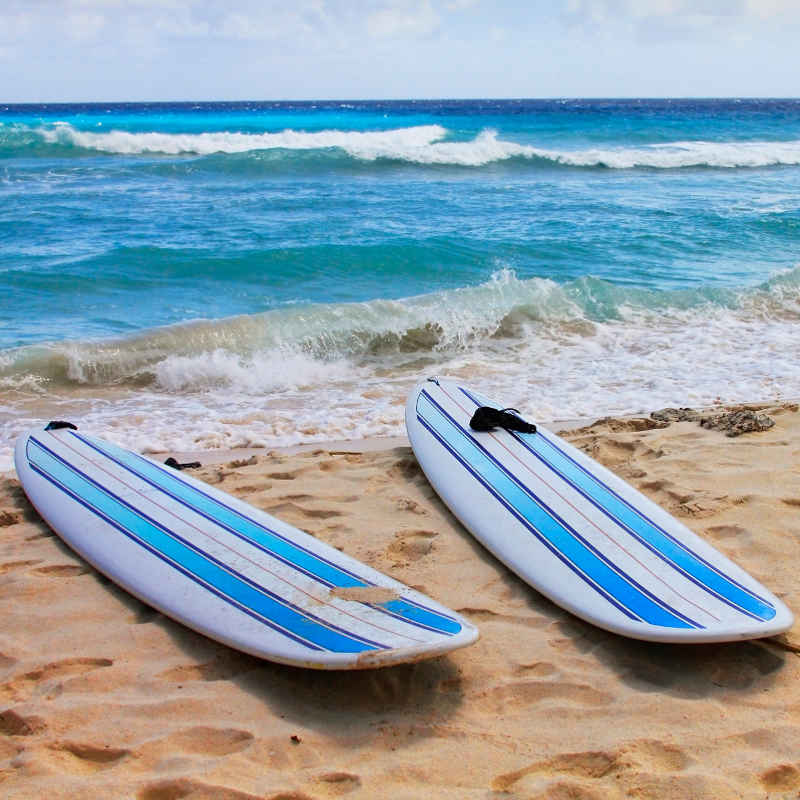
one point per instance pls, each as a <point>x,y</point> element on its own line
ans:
<point>267,273</point>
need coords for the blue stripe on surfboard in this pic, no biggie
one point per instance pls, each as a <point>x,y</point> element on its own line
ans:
<point>203,568</point>
<point>177,567</point>
<point>623,591</point>
<point>513,511</point>
<point>651,535</point>
<point>267,540</point>
<point>414,613</point>
<point>264,538</point>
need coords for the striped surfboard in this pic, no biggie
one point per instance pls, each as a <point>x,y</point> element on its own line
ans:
<point>223,567</point>
<point>578,533</point>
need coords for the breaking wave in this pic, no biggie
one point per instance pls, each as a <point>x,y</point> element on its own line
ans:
<point>297,346</point>
<point>422,145</point>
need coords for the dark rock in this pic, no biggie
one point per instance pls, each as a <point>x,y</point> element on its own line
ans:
<point>675,415</point>
<point>735,423</point>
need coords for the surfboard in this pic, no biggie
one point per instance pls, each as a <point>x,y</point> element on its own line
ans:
<point>222,567</point>
<point>578,533</point>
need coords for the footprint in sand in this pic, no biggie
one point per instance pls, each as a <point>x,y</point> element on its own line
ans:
<point>210,741</point>
<point>523,693</point>
<point>407,469</point>
<point>486,615</point>
<point>8,518</point>
<point>334,465</point>
<point>295,498</point>
<point>287,510</point>
<point>63,570</point>
<point>407,504</point>
<point>412,545</point>
<point>172,789</point>
<point>641,757</point>
<point>335,784</point>
<point>83,759</point>
<point>13,566</point>
<point>20,688</point>
<point>652,755</point>
<point>283,476</point>
<point>586,765</point>
<point>14,724</point>
<point>781,778</point>
<point>534,669</point>
<point>717,533</point>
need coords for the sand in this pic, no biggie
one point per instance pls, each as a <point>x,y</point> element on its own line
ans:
<point>101,696</point>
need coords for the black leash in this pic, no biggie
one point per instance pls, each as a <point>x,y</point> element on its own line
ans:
<point>487,418</point>
<point>58,424</point>
<point>171,462</point>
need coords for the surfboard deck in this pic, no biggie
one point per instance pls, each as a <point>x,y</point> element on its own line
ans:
<point>222,567</point>
<point>578,533</point>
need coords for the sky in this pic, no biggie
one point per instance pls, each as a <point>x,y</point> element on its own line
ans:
<point>139,50</point>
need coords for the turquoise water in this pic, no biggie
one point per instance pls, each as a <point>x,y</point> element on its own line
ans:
<point>267,273</point>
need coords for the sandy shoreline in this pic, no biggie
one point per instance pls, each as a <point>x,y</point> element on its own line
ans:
<point>103,697</point>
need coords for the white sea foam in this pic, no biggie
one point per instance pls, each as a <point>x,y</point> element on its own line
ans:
<point>684,154</point>
<point>428,144</point>
<point>355,142</point>
<point>256,374</point>
<point>530,344</point>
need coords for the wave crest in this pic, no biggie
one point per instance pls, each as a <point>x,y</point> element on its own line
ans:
<point>303,345</point>
<point>423,145</point>
<point>361,144</point>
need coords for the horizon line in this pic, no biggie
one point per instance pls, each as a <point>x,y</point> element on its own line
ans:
<point>431,99</point>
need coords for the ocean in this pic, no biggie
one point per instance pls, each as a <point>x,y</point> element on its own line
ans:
<point>188,276</point>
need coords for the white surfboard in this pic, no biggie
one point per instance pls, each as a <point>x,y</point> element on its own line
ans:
<point>222,567</point>
<point>578,533</point>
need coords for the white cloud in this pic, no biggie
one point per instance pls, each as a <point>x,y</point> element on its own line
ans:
<point>460,5</point>
<point>158,20</point>
<point>661,21</point>
<point>601,10</point>
<point>348,48</point>
<point>332,22</point>
<point>773,8</point>
<point>404,20</point>
<point>16,24</point>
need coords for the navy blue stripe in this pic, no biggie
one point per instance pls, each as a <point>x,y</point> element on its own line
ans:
<point>171,563</point>
<point>664,532</point>
<point>526,523</point>
<point>641,594</point>
<point>337,576</point>
<point>648,545</point>
<point>409,611</point>
<point>760,610</point>
<point>318,630</point>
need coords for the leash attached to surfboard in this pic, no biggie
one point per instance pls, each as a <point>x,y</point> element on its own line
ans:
<point>577,532</point>
<point>486,419</point>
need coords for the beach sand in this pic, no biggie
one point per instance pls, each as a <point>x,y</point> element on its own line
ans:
<point>100,696</point>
